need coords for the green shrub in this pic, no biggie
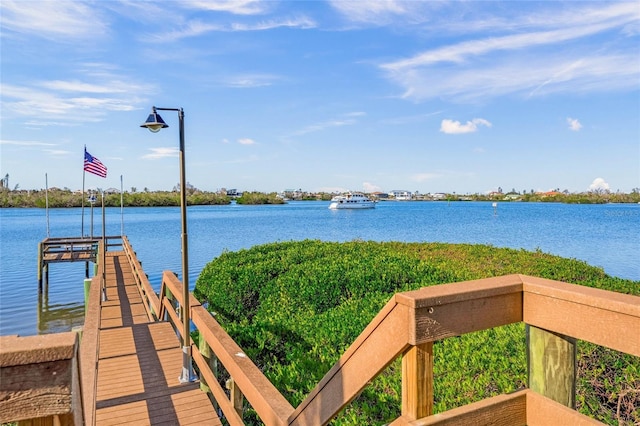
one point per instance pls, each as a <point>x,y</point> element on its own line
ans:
<point>295,307</point>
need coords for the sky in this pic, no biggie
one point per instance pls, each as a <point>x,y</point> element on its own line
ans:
<point>427,96</point>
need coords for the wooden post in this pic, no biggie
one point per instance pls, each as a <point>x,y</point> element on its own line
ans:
<point>40,262</point>
<point>551,359</point>
<point>169,296</point>
<point>417,381</point>
<point>87,288</point>
<point>212,361</point>
<point>236,397</point>
<point>46,278</point>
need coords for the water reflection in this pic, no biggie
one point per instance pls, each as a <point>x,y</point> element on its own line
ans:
<point>58,317</point>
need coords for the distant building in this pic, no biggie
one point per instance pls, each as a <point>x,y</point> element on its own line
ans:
<point>292,194</point>
<point>381,195</point>
<point>400,194</point>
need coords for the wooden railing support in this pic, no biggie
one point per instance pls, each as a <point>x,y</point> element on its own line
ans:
<point>212,362</point>
<point>40,264</point>
<point>417,381</point>
<point>236,396</point>
<point>551,359</point>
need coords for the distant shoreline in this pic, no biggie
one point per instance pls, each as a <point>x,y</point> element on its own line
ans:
<point>57,198</point>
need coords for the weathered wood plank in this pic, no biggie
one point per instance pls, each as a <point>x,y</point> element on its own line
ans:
<point>551,360</point>
<point>501,410</point>
<point>417,381</point>
<point>218,393</point>
<point>594,315</point>
<point>386,337</point>
<point>451,310</point>
<point>270,405</point>
<point>543,411</point>
<point>140,362</point>
<point>39,377</point>
<point>89,349</point>
<point>454,319</point>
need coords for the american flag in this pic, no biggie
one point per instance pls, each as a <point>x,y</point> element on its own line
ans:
<point>93,165</point>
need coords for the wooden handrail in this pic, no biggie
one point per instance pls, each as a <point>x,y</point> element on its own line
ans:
<point>90,343</point>
<point>586,313</point>
<point>417,318</point>
<point>386,337</point>
<point>149,296</point>
<point>270,405</point>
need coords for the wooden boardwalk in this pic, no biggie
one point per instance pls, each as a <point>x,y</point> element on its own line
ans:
<point>139,362</point>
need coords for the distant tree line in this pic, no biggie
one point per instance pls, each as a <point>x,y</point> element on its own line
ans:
<point>67,198</point>
<point>259,198</point>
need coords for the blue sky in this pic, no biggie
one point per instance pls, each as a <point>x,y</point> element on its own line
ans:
<point>428,96</point>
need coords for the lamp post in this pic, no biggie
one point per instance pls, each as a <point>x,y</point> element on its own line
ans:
<point>154,123</point>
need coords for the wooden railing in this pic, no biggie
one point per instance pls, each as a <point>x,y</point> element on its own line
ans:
<point>555,314</point>
<point>149,296</point>
<point>91,339</point>
<point>270,405</point>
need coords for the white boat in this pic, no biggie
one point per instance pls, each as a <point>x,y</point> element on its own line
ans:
<point>351,201</point>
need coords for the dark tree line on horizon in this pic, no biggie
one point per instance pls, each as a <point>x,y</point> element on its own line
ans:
<point>66,198</point>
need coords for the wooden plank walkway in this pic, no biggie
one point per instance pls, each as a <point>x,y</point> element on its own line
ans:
<point>139,362</point>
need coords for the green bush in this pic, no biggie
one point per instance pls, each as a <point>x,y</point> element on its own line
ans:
<point>295,307</point>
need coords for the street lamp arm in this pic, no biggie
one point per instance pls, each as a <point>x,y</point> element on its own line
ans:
<point>167,109</point>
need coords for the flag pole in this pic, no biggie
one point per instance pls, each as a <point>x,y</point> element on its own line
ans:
<point>121,207</point>
<point>82,200</point>
<point>46,197</point>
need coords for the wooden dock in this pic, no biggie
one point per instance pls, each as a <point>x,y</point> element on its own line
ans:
<point>140,360</point>
<point>125,368</point>
<point>66,249</point>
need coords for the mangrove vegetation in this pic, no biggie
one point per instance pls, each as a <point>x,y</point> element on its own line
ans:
<point>295,307</point>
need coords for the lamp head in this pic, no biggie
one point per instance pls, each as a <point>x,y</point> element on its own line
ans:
<point>154,122</point>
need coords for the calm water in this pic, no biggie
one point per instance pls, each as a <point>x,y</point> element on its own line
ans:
<point>607,236</point>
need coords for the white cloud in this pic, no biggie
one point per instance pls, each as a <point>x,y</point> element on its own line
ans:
<point>236,7</point>
<point>25,143</point>
<point>421,177</point>
<point>300,22</point>
<point>370,187</point>
<point>197,28</point>
<point>246,141</point>
<point>251,80</point>
<point>599,184</point>
<point>57,152</point>
<point>157,153</point>
<point>574,124</point>
<point>74,100</point>
<point>339,122</point>
<point>455,127</point>
<point>52,19</point>
<point>379,12</point>
<point>532,57</point>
